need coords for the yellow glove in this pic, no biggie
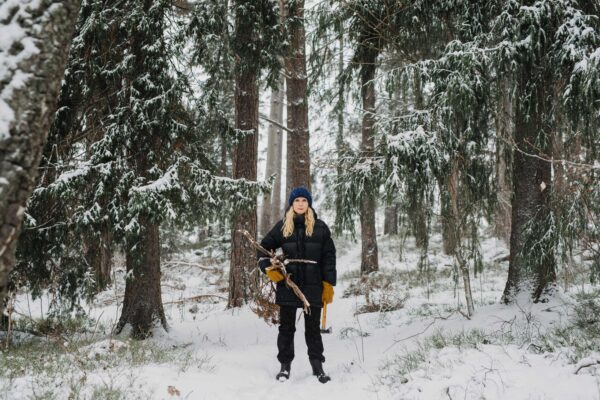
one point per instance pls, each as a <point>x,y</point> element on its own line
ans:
<point>327,296</point>
<point>274,274</point>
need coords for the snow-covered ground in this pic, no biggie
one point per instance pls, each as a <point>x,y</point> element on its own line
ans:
<point>425,350</point>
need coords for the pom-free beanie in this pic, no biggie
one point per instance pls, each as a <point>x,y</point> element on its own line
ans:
<point>300,192</point>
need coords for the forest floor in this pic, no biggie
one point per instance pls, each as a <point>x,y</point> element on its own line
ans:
<point>412,339</point>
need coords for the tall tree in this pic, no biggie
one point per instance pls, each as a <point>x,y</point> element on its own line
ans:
<point>298,151</point>
<point>369,46</point>
<point>504,120</point>
<point>148,165</point>
<point>272,201</point>
<point>32,62</point>
<point>245,150</point>
<point>557,65</point>
<point>248,46</point>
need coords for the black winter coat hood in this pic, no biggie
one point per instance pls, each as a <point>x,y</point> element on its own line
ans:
<point>318,247</point>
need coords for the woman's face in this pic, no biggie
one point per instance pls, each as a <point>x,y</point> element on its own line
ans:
<point>300,205</point>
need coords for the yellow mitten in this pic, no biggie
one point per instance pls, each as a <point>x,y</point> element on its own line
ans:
<point>273,274</point>
<point>327,296</point>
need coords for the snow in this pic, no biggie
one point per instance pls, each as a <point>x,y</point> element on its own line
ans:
<point>11,33</point>
<point>234,352</point>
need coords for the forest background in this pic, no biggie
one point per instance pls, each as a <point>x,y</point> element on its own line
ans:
<point>135,132</point>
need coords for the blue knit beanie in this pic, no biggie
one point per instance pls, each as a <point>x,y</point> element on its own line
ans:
<point>300,192</point>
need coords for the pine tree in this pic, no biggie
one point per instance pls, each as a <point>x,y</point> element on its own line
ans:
<point>298,151</point>
<point>249,46</point>
<point>146,162</point>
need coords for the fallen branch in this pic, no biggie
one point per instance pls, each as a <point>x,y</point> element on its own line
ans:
<point>590,364</point>
<point>423,331</point>
<point>195,298</point>
<point>189,264</point>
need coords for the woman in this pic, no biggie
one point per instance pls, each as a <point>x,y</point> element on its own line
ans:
<point>301,236</point>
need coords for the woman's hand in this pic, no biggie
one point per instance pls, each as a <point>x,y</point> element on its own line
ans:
<point>327,296</point>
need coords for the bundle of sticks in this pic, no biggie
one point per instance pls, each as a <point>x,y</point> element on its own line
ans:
<point>278,263</point>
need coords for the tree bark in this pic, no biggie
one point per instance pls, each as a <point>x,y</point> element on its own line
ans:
<point>31,80</point>
<point>298,151</point>
<point>243,256</point>
<point>456,233</point>
<point>449,244</point>
<point>504,132</point>
<point>142,306</point>
<point>532,185</point>
<point>340,144</point>
<point>276,202</point>
<point>270,210</point>
<point>390,225</point>
<point>451,231</point>
<point>390,222</point>
<point>99,256</point>
<point>369,257</point>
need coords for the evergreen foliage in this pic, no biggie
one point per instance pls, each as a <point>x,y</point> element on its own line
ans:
<point>459,52</point>
<point>141,151</point>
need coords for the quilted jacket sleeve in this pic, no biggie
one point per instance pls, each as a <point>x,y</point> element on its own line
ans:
<point>269,242</point>
<point>328,259</point>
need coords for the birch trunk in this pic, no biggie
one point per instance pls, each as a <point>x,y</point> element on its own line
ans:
<point>32,64</point>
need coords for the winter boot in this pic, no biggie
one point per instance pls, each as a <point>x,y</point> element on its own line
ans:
<point>317,367</point>
<point>284,374</point>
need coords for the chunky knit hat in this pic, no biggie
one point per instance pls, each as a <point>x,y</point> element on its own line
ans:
<point>300,192</point>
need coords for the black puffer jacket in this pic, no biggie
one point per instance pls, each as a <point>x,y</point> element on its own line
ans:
<point>309,277</point>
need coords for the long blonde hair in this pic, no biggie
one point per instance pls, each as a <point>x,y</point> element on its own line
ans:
<point>288,222</point>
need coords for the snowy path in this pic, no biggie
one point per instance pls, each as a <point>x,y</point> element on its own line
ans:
<point>243,351</point>
<point>237,350</point>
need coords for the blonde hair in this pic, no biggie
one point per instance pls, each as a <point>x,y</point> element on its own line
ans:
<point>288,222</point>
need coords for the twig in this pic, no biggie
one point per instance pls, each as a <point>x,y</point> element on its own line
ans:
<point>448,392</point>
<point>587,365</point>
<point>194,298</point>
<point>196,265</point>
<point>97,322</point>
<point>419,333</point>
<point>10,308</point>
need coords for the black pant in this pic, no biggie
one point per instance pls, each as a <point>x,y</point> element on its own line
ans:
<point>312,334</point>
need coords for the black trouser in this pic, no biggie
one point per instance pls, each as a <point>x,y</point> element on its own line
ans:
<point>312,334</point>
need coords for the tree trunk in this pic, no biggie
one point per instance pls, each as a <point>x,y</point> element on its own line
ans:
<point>142,306</point>
<point>504,132</point>
<point>369,258</point>
<point>276,195</point>
<point>33,83</point>
<point>456,229</point>
<point>99,257</point>
<point>449,244</point>
<point>243,256</point>
<point>529,270</point>
<point>451,231</point>
<point>298,155</point>
<point>270,210</point>
<point>340,144</point>
<point>419,218</point>
<point>390,224</point>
